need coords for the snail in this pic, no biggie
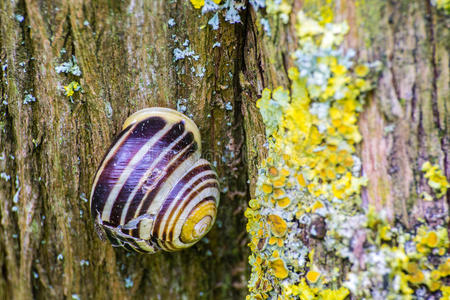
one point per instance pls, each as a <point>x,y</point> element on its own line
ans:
<point>152,190</point>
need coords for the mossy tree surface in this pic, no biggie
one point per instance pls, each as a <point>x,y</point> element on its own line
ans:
<point>126,51</point>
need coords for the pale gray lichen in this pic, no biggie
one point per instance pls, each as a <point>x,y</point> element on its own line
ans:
<point>171,22</point>
<point>70,66</point>
<point>19,18</point>
<point>128,282</point>
<point>84,262</point>
<point>230,8</point>
<point>181,105</point>
<point>29,99</point>
<point>184,53</point>
<point>266,26</point>
<point>5,176</point>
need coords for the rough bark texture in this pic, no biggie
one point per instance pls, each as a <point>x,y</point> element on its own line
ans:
<point>404,124</point>
<point>50,148</point>
<point>125,52</point>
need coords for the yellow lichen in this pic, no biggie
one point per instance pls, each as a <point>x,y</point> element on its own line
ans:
<point>436,179</point>
<point>273,171</point>
<point>417,277</point>
<point>313,169</point>
<point>312,276</point>
<point>432,239</point>
<point>279,268</point>
<point>307,150</point>
<point>339,294</point>
<point>277,225</point>
<point>317,205</point>
<point>71,88</point>
<point>284,202</point>
<point>361,70</point>
<point>301,179</point>
<point>199,3</point>
<point>278,193</point>
<point>266,188</point>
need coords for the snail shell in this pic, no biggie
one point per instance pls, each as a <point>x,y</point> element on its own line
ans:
<point>152,190</point>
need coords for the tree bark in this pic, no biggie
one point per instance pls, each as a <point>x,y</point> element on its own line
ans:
<point>127,53</point>
<point>52,147</point>
<point>404,125</point>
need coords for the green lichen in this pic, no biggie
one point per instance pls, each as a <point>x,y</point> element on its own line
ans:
<point>308,190</point>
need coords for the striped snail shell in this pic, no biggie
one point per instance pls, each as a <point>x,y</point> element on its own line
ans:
<point>152,190</point>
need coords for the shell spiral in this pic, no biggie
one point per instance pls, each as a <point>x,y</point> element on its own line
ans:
<point>152,190</point>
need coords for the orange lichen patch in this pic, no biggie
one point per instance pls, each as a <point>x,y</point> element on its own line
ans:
<point>258,260</point>
<point>273,171</point>
<point>266,188</point>
<point>277,225</point>
<point>432,239</point>
<point>279,268</point>
<point>348,161</point>
<point>312,276</point>
<point>330,174</point>
<point>412,268</point>
<point>284,202</point>
<point>274,240</point>
<point>434,286</point>
<point>278,183</point>
<point>301,180</point>
<point>421,248</point>
<point>278,193</point>
<point>435,275</point>
<point>427,240</point>
<point>417,277</point>
<point>361,70</point>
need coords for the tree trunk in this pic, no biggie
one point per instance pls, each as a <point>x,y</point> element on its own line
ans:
<point>135,54</point>
<point>51,147</point>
